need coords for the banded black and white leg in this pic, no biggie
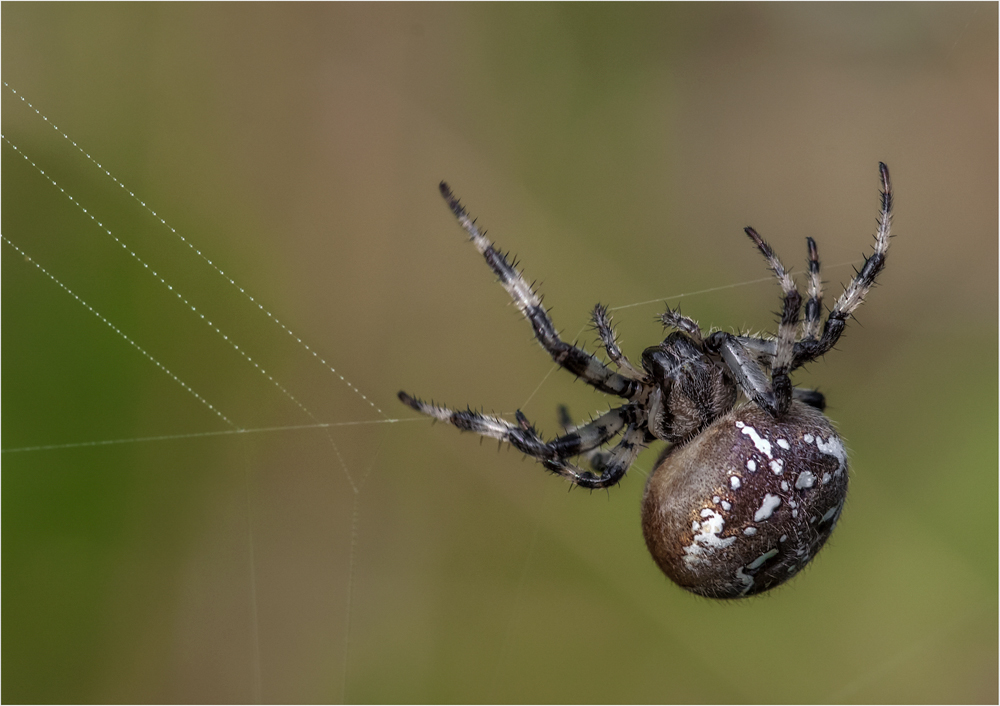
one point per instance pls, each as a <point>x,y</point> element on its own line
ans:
<point>609,465</point>
<point>554,454</point>
<point>673,318</point>
<point>574,359</point>
<point>855,292</point>
<point>597,458</point>
<point>609,338</point>
<point>751,359</point>
<point>781,384</point>
<point>746,367</point>
<point>615,463</point>
<point>810,324</point>
<point>747,357</point>
<point>762,352</point>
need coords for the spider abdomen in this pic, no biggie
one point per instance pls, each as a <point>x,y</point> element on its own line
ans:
<point>747,503</point>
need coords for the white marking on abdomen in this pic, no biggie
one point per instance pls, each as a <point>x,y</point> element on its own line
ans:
<point>762,444</point>
<point>707,540</point>
<point>767,508</point>
<point>762,558</point>
<point>834,447</point>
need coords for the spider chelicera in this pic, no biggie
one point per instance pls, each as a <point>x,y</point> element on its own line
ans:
<point>748,490</point>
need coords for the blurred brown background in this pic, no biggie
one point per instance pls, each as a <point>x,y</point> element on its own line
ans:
<point>618,151</point>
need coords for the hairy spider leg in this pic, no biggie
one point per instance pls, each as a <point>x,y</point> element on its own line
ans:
<point>673,318</point>
<point>573,359</point>
<point>614,463</point>
<point>781,384</point>
<point>609,337</point>
<point>523,436</point>
<point>814,305</point>
<point>761,350</point>
<point>855,292</point>
<point>744,354</point>
<point>746,369</point>
<point>552,455</point>
<point>597,458</point>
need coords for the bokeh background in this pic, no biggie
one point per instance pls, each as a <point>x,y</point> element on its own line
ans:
<point>618,150</point>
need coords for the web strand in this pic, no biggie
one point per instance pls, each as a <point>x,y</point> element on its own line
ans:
<point>159,278</point>
<point>190,245</point>
<point>252,567</point>
<point>199,434</point>
<point>187,303</point>
<point>143,351</point>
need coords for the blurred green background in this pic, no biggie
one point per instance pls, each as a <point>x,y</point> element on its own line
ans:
<point>618,150</point>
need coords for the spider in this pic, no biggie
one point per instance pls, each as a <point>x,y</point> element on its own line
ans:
<point>749,489</point>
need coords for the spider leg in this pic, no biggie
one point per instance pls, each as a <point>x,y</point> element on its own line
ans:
<point>658,418</point>
<point>810,325</point>
<point>523,436</point>
<point>596,458</point>
<point>855,292</point>
<point>675,319</point>
<point>785,344</point>
<point>606,331</point>
<point>614,464</point>
<point>746,369</point>
<point>573,359</point>
<point>762,349</point>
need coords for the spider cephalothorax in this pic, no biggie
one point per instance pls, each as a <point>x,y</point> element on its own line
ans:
<point>747,493</point>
